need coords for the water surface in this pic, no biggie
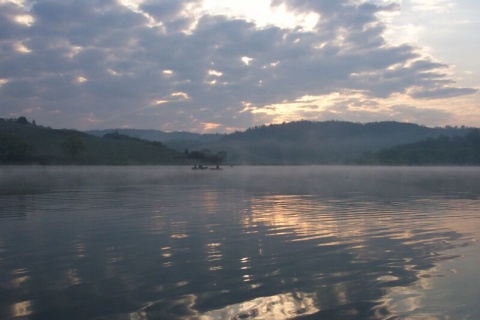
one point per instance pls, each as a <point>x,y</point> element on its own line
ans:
<point>241,243</point>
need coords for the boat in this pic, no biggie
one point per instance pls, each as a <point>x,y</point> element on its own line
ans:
<point>200,167</point>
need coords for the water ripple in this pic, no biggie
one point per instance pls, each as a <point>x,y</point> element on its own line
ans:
<point>180,246</point>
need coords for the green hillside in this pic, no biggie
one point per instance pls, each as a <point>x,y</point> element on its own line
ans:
<point>175,140</point>
<point>294,143</point>
<point>24,142</point>
<point>330,142</point>
<point>443,150</point>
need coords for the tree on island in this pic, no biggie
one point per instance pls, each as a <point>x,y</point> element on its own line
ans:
<point>207,156</point>
<point>73,146</point>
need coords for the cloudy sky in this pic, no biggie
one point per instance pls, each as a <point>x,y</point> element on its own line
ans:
<point>224,65</point>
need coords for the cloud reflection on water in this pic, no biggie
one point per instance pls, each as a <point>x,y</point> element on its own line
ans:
<point>278,307</point>
<point>211,245</point>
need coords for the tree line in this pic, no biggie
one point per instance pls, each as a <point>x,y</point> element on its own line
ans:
<point>294,143</point>
<point>443,150</point>
<point>23,142</point>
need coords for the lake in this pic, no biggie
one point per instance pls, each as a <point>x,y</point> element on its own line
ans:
<point>313,242</point>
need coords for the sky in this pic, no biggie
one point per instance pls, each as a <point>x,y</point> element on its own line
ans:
<point>225,65</point>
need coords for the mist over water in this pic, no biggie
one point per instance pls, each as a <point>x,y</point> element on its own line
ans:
<point>240,243</point>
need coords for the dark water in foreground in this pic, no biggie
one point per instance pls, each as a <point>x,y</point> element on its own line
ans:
<point>242,243</point>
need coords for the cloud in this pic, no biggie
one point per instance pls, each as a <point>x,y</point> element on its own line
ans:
<point>19,89</point>
<point>403,113</point>
<point>445,92</point>
<point>437,6</point>
<point>420,115</point>
<point>99,59</point>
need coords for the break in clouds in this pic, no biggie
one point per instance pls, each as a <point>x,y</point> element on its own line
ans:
<point>170,65</point>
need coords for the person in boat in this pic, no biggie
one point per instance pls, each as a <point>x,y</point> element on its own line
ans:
<point>202,167</point>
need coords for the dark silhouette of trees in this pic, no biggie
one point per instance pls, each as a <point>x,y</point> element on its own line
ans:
<point>73,146</point>
<point>14,149</point>
<point>22,120</point>
<point>206,156</point>
<point>443,150</point>
<point>218,158</point>
<point>118,136</point>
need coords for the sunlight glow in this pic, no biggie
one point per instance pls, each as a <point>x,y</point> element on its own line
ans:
<point>134,5</point>
<point>214,256</point>
<point>81,79</point>
<point>215,73</point>
<point>25,19</point>
<point>22,309</point>
<point>279,307</point>
<point>351,105</point>
<point>259,12</point>
<point>182,95</point>
<point>262,13</point>
<point>20,3</point>
<point>74,50</point>
<point>437,6</point>
<point>208,126</point>
<point>21,48</point>
<point>72,277</point>
<point>176,97</point>
<point>271,65</point>
<point>131,4</point>
<point>246,60</point>
<point>277,212</point>
<point>407,33</point>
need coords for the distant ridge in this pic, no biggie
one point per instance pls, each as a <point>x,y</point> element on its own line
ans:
<point>157,135</point>
<point>178,140</point>
<point>293,143</point>
<point>329,142</point>
<point>455,150</point>
<point>303,142</point>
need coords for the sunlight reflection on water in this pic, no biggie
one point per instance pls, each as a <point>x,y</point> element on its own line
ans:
<point>246,243</point>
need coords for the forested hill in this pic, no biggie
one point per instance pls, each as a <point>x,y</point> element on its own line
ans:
<point>24,142</point>
<point>294,143</point>
<point>330,142</point>
<point>456,150</point>
<point>301,142</point>
<point>178,140</point>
